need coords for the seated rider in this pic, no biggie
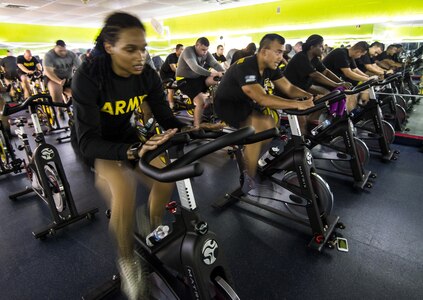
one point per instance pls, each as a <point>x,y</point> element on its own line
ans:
<point>27,65</point>
<point>168,69</point>
<point>191,68</point>
<point>247,87</point>
<point>341,62</point>
<point>107,89</point>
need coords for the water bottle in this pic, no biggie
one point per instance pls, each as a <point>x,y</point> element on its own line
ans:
<point>268,156</point>
<point>144,131</point>
<point>157,235</point>
<point>320,127</point>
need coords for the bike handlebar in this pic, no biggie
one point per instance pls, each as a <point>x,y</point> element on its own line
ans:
<point>389,79</point>
<point>10,109</point>
<point>182,168</point>
<point>321,103</point>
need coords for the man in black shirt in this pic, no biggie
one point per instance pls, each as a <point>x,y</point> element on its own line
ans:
<point>168,70</point>
<point>220,58</point>
<point>367,64</point>
<point>305,68</point>
<point>341,61</point>
<point>386,59</point>
<point>27,65</point>
<point>247,51</point>
<point>248,86</point>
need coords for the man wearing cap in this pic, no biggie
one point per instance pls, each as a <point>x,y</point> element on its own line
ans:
<point>59,65</point>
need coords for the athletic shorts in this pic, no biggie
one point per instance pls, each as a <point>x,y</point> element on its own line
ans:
<point>234,113</point>
<point>194,86</point>
<point>67,84</point>
<point>11,75</point>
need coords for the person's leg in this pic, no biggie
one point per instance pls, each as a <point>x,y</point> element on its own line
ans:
<point>252,151</point>
<point>122,188</point>
<point>351,102</point>
<point>55,90</point>
<point>26,86</point>
<point>160,193</point>
<point>170,94</point>
<point>199,102</point>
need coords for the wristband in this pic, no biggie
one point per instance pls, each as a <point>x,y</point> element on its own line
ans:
<point>132,152</point>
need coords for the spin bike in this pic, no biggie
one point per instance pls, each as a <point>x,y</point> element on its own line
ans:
<point>336,149</point>
<point>8,161</point>
<point>188,263</point>
<point>45,170</point>
<point>371,128</point>
<point>290,186</point>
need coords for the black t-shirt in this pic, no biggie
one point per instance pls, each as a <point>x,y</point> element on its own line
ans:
<point>102,124</point>
<point>166,71</point>
<point>363,61</point>
<point>232,105</point>
<point>220,59</point>
<point>299,69</point>
<point>31,65</point>
<point>237,55</point>
<point>338,59</point>
<point>384,55</point>
<point>245,72</point>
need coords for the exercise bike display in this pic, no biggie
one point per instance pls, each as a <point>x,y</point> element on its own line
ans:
<point>189,261</point>
<point>45,170</point>
<point>290,186</point>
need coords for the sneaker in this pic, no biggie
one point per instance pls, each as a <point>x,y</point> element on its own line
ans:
<point>131,277</point>
<point>247,183</point>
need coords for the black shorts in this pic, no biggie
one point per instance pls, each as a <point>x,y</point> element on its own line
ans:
<point>233,113</point>
<point>165,76</point>
<point>194,86</point>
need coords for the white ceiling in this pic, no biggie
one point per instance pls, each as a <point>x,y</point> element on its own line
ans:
<point>91,13</point>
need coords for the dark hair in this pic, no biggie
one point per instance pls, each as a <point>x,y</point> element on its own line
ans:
<point>269,38</point>
<point>60,43</point>
<point>288,48</point>
<point>203,41</point>
<point>178,46</point>
<point>361,46</point>
<point>219,46</point>
<point>251,48</point>
<point>392,46</point>
<point>100,60</point>
<point>398,45</point>
<point>312,40</point>
<point>378,44</point>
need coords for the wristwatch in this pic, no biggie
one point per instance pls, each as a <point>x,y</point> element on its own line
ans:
<point>132,152</point>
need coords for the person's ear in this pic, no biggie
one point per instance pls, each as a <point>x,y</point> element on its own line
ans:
<point>108,47</point>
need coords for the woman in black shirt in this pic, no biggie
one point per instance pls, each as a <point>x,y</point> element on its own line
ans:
<point>107,89</point>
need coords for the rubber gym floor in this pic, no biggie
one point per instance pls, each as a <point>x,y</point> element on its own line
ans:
<point>268,256</point>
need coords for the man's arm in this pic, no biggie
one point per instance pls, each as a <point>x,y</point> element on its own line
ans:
<point>353,75</point>
<point>24,69</point>
<point>39,66</point>
<point>173,67</point>
<point>322,79</point>
<point>287,88</point>
<point>191,60</point>
<point>258,94</point>
<point>49,72</point>
<point>212,62</point>
<point>374,69</point>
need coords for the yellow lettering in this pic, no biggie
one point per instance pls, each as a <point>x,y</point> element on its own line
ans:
<point>142,98</point>
<point>120,105</point>
<point>133,104</point>
<point>107,108</point>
